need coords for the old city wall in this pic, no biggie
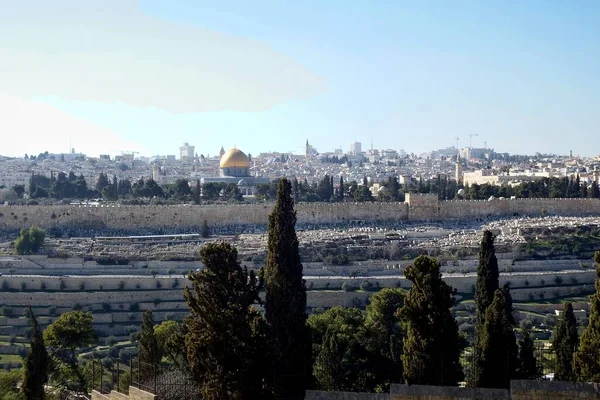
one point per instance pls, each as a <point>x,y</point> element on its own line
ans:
<point>419,208</point>
<point>192,217</point>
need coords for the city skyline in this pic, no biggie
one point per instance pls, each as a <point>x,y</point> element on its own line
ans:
<point>147,76</point>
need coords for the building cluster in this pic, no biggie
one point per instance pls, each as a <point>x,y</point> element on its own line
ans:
<point>375,166</point>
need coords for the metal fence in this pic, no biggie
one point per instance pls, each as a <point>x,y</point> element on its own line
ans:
<point>163,380</point>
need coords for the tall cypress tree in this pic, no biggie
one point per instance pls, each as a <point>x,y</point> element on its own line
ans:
<point>487,277</point>
<point>486,286</point>
<point>587,358</point>
<point>285,302</point>
<point>498,357</point>
<point>148,350</point>
<point>431,347</point>
<point>564,342</point>
<point>341,189</point>
<point>37,363</point>
<point>528,368</point>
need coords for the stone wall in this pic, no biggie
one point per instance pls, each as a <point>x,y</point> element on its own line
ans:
<point>519,390</point>
<point>191,217</point>
<point>134,394</point>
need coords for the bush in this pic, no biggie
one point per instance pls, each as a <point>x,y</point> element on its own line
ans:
<point>5,285</point>
<point>175,283</point>
<point>111,340</point>
<point>23,286</point>
<point>133,336</point>
<point>346,287</point>
<point>158,284</point>
<point>366,286</point>
<point>12,339</point>
<point>121,285</point>
<point>61,284</point>
<point>106,307</point>
<point>558,280</point>
<point>30,240</point>
<point>134,307</point>
<point>82,286</point>
<point>171,271</point>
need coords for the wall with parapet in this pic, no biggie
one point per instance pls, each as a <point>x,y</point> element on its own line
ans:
<point>191,217</point>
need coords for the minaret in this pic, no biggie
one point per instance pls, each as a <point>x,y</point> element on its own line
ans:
<point>222,151</point>
<point>155,172</point>
<point>459,171</point>
<point>307,149</point>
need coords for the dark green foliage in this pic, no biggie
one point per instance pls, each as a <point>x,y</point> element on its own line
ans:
<point>487,276</point>
<point>205,232</point>
<point>499,353</point>
<point>225,336</point>
<point>486,286</point>
<point>587,358</point>
<point>285,304</point>
<point>148,350</point>
<point>564,342</point>
<point>342,363</point>
<point>30,240</point>
<point>385,336</point>
<point>528,367</point>
<point>37,364</point>
<point>431,346</point>
<point>70,332</point>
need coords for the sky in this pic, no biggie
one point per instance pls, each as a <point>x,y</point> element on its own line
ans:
<point>267,75</point>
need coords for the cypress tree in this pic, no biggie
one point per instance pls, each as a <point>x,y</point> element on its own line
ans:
<point>528,368</point>
<point>498,357</point>
<point>587,358</point>
<point>148,350</point>
<point>564,342</point>
<point>341,189</point>
<point>285,301</point>
<point>37,363</point>
<point>487,277</point>
<point>486,286</point>
<point>225,337</point>
<point>431,347</point>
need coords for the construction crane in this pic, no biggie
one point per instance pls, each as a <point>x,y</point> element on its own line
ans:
<point>456,138</point>
<point>470,135</point>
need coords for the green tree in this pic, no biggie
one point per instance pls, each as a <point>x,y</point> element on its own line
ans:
<point>37,363</point>
<point>362,193</point>
<point>30,240</point>
<point>528,367</point>
<point>384,336</point>
<point>285,305</point>
<point>205,231</point>
<point>486,286</point>
<point>225,335</point>
<point>499,352</point>
<point>165,334</point>
<point>148,350</point>
<point>564,342</point>
<point>102,182</point>
<point>9,385</point>
<point>431,346</point>
<point>342,363</point>
<point>70,332</point>
<point>587,357</point>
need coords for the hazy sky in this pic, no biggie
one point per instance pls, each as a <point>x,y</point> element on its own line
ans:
<point>118,75</point>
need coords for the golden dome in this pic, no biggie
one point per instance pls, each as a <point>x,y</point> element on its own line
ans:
<point>234,158</point>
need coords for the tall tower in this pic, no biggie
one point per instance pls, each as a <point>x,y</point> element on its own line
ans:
<point>307,149</point>
<point>155,172</point>
<point>459,171</point>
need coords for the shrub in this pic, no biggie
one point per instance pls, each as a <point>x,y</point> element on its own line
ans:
<point>23,286</point>
<point>175,283</point>
<point>346,287</point>
<point>131,316</point>
<point>52,311</point>
<point>134,307</point>
<point>121,285</point>
<point>61,284</point>
<point>106,307</point>
<point>76,307</point>
<point>158,284</point>
<point>12,339</point>
<point>558,280</point>
<point>111,340</point>
<point>171,271</point>
<point>133,336</point>
<point>30,240</point>
<point>156,302</point>
<point>170,316</point>
<point>5,285</point>
<point>366,286</point>
<point>82,286</point>
<point>43,285</point>
<point>153,272</point>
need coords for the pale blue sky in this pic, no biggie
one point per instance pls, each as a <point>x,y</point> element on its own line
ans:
<point>267,75</point>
